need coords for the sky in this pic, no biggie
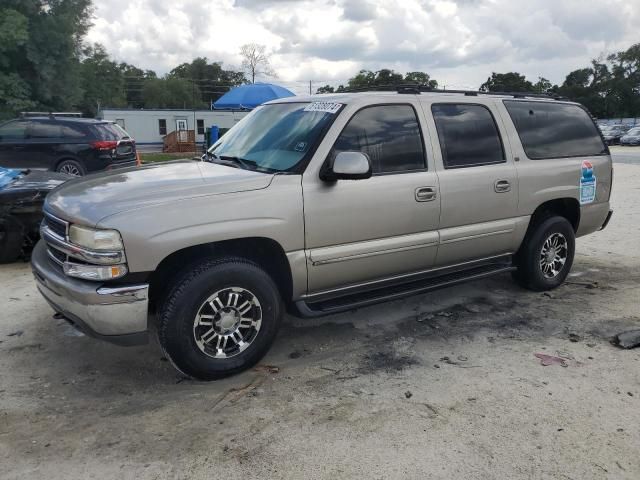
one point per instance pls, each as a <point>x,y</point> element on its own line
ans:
<point>457,42</point>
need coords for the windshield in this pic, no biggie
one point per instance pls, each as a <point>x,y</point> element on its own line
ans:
<point>274,138</point>
<point>634,132</point>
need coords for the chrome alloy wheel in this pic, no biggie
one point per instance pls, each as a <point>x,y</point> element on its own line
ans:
<point>553,255</point>
<point>70,169</point>
<point>227,322</point>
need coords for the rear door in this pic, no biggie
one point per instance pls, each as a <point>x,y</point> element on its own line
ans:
<point>45,137</point>
<point>360,231</point>
<point>13,136</point>
<point>478,182</point>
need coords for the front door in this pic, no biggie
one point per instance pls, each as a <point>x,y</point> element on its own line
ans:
<point>478,183</point>
<point>360,231</point>
<point>181,128</point>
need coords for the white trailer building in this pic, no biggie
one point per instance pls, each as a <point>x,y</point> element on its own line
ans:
<point>148,126</point>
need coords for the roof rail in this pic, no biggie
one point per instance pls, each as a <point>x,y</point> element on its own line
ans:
<point>417,89</point>
<point>50,114</point>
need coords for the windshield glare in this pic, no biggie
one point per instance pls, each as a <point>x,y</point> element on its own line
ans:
<point>274,137</point>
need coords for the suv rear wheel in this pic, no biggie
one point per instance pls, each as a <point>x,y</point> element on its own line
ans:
<point>546,255</point>
<point>71,167</point>
<point>220,318</point>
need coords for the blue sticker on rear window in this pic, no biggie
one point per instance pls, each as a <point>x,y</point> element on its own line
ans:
<point>587,183</point>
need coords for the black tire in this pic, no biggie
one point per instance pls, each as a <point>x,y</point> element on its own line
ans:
<point>187,297</point>
<point>11,239</point>
<point>69,166</point>
<point>530,272</point>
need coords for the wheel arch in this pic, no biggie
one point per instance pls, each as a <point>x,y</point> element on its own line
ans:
<point>66,157</point>
<point>265,252</point>
<point>568,208</point>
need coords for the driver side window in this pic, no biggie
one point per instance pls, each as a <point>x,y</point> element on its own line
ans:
<point>388,134</point>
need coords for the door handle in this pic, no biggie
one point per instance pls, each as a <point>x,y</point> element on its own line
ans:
<point>502,186</point>
<point>425,194</point>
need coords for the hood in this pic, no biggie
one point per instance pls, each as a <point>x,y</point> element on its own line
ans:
<point>89,199</point>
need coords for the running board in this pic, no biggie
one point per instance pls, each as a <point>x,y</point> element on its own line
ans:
<point>395,292</point>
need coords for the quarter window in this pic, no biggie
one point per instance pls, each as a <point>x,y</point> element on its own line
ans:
<point>551,130</point>
<point>388,134</point>
<point>162,126</point>
<point>468,135</point>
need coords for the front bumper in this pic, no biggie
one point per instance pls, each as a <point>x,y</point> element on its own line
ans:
<point>115,314</point>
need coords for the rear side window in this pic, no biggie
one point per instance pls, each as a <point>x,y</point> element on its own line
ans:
<point>41,130</point>
<point>73,131</point>
<point>388,134</point>
<point>468,135</point>
<point>551,130</point>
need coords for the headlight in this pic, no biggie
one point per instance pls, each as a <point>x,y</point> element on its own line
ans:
<point>94,239</point>
<point>94,272</point>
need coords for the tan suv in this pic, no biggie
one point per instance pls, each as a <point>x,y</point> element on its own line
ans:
<point>318,205</point>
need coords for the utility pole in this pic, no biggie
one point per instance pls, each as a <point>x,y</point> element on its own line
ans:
<point>310,87</point>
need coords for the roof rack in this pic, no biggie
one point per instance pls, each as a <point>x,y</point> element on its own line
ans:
<point>50,114</point>
<point>416,89</point>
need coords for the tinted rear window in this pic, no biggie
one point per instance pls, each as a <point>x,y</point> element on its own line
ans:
<point>468,135</point>
<point>550,130</point>
<point>45,130</point>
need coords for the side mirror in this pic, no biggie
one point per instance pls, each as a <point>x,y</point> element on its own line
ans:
<point>348,166</point>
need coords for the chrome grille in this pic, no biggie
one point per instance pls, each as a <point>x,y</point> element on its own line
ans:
<point>56,255</point>
<point>56,225</point>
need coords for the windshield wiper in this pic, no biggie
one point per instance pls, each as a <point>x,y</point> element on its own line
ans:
<point>244,163</point>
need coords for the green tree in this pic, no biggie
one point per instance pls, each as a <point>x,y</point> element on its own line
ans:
<point>40,44</point>
<point>15,92</point>
<point>543,86</point>
<point>386,77</point>
<point>212,79</point>
<point>326,89</point>
<point>171,92</point>
<point>102,81</point>
<point>134,79</point>
<point>506,82</point>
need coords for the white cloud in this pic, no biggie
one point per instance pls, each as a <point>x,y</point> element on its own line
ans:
<point>458,42</point>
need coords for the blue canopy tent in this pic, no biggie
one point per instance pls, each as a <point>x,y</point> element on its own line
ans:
<point>246,97</point>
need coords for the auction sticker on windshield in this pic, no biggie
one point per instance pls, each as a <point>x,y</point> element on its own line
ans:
<point>329,107</point>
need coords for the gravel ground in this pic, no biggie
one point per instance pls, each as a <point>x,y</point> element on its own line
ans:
<point>443,385</point>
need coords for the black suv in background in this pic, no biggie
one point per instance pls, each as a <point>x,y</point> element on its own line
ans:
<point>75,146</point>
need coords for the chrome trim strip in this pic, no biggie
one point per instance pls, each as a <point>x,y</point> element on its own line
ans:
<point>372,254</point>
<point>90,256</point>
<point>136,292</point>
<point>53,257</point>
<point>478,235</point>
<point>404,277</point>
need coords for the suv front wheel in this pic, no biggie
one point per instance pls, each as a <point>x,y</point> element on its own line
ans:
<point>220,318</point>
<point>546,255</point>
